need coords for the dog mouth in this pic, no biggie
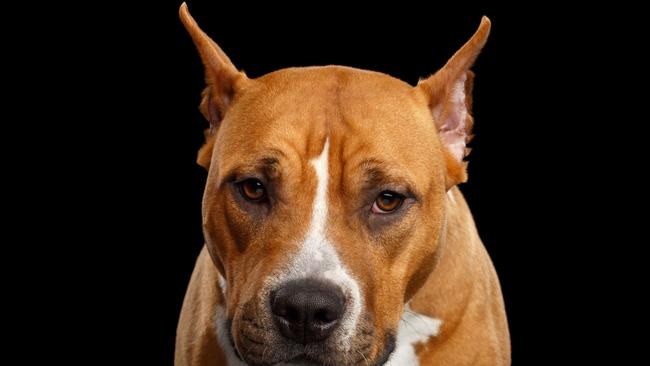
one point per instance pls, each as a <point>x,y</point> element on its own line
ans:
<point>255,340</point>
<point>303,360</point>
<point>321,358</point>
<point>300,360</point>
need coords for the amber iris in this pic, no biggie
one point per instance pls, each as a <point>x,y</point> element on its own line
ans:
<point>388,201</point>
<point>252,190</point>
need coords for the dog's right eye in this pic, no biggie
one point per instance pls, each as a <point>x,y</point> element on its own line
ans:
<point>252,190</point>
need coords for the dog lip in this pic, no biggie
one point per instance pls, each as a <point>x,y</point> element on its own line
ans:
<point>232,340</point>
<point>389,347</point>
<point>303,360</point>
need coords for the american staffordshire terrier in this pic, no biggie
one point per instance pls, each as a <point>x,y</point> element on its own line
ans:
<point>334,230</point>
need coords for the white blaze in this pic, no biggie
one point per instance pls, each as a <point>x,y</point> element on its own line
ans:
<point>316,243</point>
<point>317,257</point>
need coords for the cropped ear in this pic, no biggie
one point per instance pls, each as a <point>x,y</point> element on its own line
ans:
<point>449,93</point>
<point>222,79</point>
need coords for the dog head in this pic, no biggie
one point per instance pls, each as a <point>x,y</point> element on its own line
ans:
<point>325,199</point>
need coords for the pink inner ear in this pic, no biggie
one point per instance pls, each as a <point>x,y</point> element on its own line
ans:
<point>452,121</point>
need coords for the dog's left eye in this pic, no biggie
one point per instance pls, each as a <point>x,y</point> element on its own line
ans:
<point>387,202</point>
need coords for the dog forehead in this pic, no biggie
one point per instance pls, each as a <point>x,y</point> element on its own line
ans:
<point>336,94</point>
<point>296,109</point>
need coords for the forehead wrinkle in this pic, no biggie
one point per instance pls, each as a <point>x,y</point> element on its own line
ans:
<point>267,161</point>
<point>377,173</point>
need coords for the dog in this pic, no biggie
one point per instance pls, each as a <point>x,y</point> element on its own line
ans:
<point>335,233</point>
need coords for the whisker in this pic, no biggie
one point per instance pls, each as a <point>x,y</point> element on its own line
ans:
<point>364,357</point>
<point>264,351</point>
<point>413,328</point>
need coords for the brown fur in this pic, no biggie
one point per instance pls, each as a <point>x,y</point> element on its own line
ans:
<point>381,131</point>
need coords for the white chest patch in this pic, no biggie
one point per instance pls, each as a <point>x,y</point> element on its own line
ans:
<point>414,328</point>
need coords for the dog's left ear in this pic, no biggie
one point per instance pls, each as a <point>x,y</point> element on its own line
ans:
<point>449,93</point>
<point>222,78</point>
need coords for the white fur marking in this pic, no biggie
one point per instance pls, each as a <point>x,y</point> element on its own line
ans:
<point>450,194</point>
<point>317,257</point>
<point>414,328</point>
<point>222,284</point>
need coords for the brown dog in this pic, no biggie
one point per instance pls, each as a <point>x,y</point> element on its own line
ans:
<point>335,234</point>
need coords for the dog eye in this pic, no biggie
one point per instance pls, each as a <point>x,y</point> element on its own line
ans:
<point>252,190</point>
<point>387,202</point>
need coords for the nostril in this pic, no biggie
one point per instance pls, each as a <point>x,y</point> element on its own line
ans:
<point>325,316</point>
<point>321,316</point>
<point>284,307</point>
<point>292,314</point>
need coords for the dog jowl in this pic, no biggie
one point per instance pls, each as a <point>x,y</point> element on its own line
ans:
<point>334,230</point>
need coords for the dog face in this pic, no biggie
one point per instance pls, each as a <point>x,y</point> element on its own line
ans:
<point>325,200</point>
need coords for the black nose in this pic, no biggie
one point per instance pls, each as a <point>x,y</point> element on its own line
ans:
<point>307,310</point>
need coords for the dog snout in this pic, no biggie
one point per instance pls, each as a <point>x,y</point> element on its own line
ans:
<point>307,310</point>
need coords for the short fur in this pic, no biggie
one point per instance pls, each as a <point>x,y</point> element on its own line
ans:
<point>381,132</point>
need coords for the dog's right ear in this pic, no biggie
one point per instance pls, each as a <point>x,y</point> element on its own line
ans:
<point>222,79</point>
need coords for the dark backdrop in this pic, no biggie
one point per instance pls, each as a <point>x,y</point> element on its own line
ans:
<point>146,131</point>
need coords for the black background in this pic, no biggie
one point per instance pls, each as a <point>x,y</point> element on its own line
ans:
<point>139,222</point>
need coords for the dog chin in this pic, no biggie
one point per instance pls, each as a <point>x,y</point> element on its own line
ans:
<point>297,361</point>
<point>318,359</point>
<point>301,361</point>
